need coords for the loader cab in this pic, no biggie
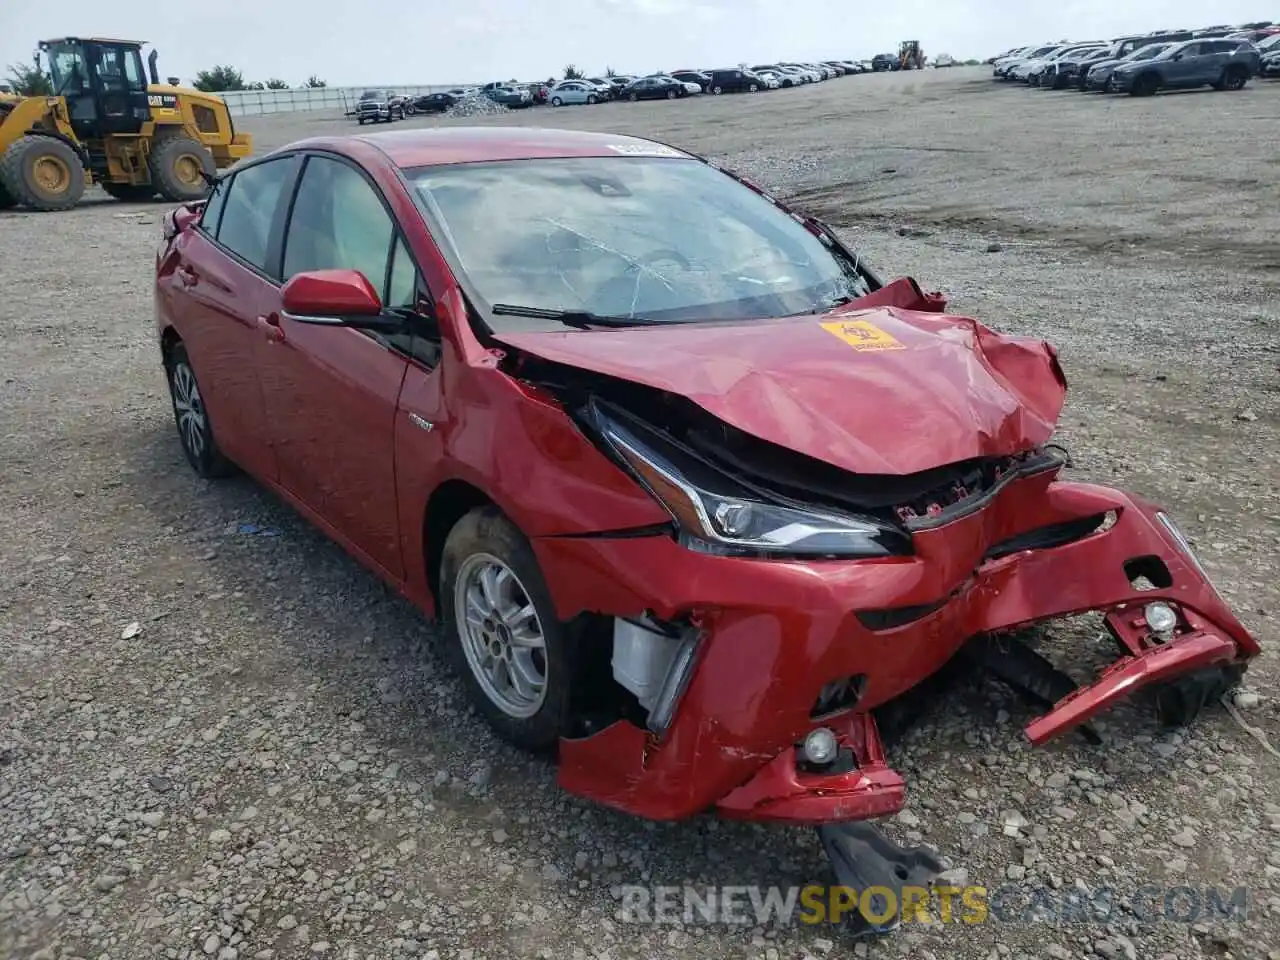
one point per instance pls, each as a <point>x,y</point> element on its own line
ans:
<point>104,84</point>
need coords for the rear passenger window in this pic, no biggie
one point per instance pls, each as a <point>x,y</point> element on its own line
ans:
<point>250,207</point>
<point>213,207</point>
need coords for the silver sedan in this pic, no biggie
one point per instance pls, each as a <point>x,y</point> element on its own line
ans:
<point>572,91</point>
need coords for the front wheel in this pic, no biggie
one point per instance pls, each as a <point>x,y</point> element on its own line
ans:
<point>556,101</point>
<point>753,88</point>
<point>716,91</point>
<point>502,633</point>
<point>591,98</point>
<point>1145,85</point>
<point>42,173</point>
<point>634,97</point>
<point>671,94</point>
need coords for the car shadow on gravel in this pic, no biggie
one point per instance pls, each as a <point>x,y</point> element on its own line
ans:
<point>361,651</point>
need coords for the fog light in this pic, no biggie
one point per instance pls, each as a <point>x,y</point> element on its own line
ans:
<point>1160,618</point>
<point>820,746</point>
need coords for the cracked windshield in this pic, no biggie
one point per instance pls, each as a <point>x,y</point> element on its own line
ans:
<point>653,238</point>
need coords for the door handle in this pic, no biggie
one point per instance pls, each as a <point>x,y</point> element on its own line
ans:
<point>270,327</point>
<point>186,276</point>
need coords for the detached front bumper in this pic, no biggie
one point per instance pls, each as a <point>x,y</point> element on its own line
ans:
<point>773,634</point>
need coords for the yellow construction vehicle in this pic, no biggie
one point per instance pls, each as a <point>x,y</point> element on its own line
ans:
<point>106,124</point>
<point>910,56</point>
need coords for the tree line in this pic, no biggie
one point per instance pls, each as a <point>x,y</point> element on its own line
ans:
<point>30,80</point>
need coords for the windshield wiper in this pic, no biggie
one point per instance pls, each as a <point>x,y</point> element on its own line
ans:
<point>582,319</point>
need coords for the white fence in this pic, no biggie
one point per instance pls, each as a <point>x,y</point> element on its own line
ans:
<point>243,103</point>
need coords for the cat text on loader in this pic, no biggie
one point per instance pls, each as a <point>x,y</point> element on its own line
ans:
<point>106,124</point>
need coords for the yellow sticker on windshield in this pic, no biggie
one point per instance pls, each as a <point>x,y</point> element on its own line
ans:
<point>863,335</point>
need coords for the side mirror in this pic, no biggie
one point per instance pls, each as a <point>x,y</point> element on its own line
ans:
<point>339,298</point>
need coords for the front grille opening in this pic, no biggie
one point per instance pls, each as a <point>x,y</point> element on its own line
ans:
<point>1052,535</point>
<point>1148,573</point>
<point>838,695</point>
<point>893,617</point>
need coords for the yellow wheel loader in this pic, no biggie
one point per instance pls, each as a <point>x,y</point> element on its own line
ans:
<point>110,123</point>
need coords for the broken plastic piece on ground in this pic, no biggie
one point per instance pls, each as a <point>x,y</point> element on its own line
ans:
<point>1028,672</point>
<point>252,529</point>
<point>864,858</point>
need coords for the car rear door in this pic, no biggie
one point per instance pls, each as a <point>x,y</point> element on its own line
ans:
<point>331,392</point>
<point>214,284</point>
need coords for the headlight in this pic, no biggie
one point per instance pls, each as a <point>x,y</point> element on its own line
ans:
<point>713,514</point>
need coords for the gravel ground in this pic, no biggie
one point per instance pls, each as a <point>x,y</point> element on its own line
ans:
<point>230,741</point>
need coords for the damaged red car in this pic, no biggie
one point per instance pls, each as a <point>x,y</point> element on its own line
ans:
<point>694,493</point>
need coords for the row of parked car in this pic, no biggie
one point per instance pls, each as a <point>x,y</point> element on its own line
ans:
<point>1222,57</point>
<point>383,106</point>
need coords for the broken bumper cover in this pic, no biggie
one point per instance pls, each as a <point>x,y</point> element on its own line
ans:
<point>774,633</point>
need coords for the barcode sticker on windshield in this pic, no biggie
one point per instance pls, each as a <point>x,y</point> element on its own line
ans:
<point>645,149</point>
<point>863,335</point>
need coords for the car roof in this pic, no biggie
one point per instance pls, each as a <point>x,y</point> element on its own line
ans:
<point>429,146</point>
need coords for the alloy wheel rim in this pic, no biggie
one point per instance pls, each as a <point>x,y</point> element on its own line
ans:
<point>501,635</point>
<point>189,407</point>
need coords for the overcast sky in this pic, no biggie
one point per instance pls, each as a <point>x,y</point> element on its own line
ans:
<point>455,41</point>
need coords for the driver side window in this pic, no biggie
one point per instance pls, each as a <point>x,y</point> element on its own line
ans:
<point>339,222</point>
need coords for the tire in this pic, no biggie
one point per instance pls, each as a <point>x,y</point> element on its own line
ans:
<point>6,200</point>
<point>130,192</point>
<point>716,91</point>
<point>411,111</point>
<point>1145,85</point>
<point>591,98</point>
<point>178,169</point>
<point>1234,78</point>
<point>195,430</point>
<point>360,120</point>
<point>671,94</point>
<point>634,97</point>
<point>42,173</point>
<point>556,102</point>
<point>534,718</point>
<point>753,88</point>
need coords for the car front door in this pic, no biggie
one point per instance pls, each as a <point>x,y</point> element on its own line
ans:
<point>331,392</point>
<point>216,281</point>
<point>1182,67</point>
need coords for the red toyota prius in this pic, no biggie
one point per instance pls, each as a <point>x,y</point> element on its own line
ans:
<point>695,495</point>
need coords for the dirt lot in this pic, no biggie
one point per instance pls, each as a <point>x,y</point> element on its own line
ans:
<point>238,744</point>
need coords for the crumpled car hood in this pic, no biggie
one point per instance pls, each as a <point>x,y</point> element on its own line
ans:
<point>883,390</point>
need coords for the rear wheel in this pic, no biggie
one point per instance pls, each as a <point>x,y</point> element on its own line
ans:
<point>195,431</point>
<point>717,90</point>
<point>503,637</point>
<point>179,167</point>
<point>1234,78</point>
<point>671,94</point>
<point>753,88</point>
<point>42,173</point>
<point>130,192</point>
<point>591,98</point>
<point>634,97</point>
